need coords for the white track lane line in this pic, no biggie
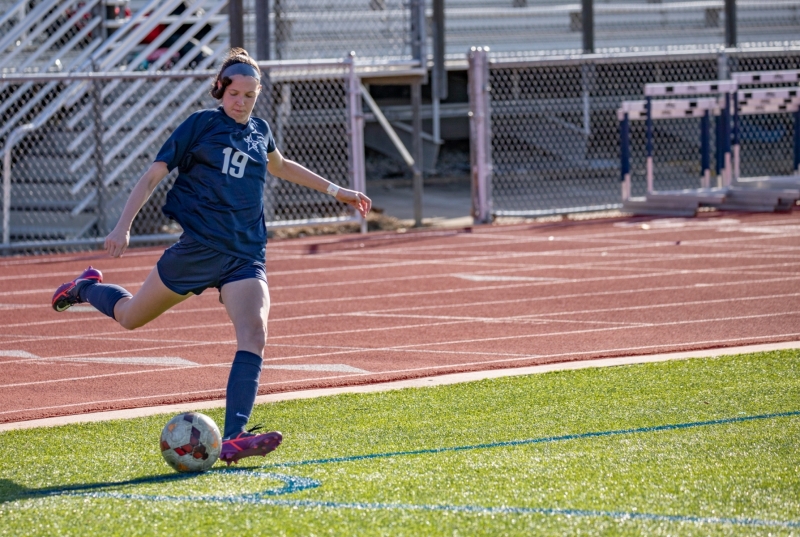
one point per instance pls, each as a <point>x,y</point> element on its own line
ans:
<point>639,273</point>
<point>328,352</point>
<point>471,304</point>
<point>72,273</point>
<point>423,347</point>
<point>489,233</point>
<point>167,409</point>
<point>611,264</point>
<point>545,316</point>
<point>459,260</point>
<point>289,336</point>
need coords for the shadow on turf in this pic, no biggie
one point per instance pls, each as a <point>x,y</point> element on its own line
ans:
<point>11,491</point>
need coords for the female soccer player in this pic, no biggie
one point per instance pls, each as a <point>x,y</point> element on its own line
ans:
<point>222,156</point>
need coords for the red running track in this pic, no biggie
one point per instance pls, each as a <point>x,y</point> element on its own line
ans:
<point>364,309</point>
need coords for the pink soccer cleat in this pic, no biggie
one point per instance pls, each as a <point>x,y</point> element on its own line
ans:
<point>67,294</point>
<point>248,444</point>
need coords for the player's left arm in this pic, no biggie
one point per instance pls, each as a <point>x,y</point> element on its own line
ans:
<point>293,172</point>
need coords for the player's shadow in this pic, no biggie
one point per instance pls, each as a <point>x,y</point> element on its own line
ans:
<point>11,491</point>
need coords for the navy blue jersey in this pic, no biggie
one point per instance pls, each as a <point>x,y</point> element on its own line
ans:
<point>218,197</point>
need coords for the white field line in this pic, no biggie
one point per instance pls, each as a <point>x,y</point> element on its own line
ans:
<point>221,391</point>
<point>419,347</point>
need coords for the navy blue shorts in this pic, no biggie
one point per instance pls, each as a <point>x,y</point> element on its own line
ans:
<point>189,266</point>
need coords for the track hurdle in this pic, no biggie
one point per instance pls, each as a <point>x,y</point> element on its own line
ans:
<point>729,103</point>
<point>766,101</point>
<point>725,89</point>
<point>649,110</point>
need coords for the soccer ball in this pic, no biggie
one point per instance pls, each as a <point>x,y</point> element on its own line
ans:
<point>190,442</point>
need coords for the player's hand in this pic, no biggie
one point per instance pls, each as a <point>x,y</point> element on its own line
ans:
<point>355,199</point>
<point>117,242</point>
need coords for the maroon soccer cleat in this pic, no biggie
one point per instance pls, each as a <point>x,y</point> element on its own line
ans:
<point>67,295</point>
<point>247,444</point>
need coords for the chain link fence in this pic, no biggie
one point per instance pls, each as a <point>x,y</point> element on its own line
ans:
<point>554,133</point>
<point>65,182</point>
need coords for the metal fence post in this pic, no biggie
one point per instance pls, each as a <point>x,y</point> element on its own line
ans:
<point>705,149</point>
<point>730,23</point>
<point>416,143</point>
<point>262,30</point>
<point>735,140</point>
<point>587,23</point>
<point>727,164</point>
<point>236,23</point>
<point>625,154</point>
<point>417,30</point>
<point>418,52</point>
<point>97,112</point>
<point>723,66</point>
<point>649,144</point>
<point>480,134</point>
<point>439,75</point>
<point>356,128</point>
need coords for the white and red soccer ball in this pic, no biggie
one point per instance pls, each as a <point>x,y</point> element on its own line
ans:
<point>191,442</point>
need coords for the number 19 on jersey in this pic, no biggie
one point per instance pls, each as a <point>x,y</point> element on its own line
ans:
<point>234,166</point>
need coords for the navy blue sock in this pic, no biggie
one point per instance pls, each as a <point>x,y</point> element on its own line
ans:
<point>242,391</point>
<point>102,296</point>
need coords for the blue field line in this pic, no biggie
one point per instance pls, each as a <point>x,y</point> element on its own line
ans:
<point>293,484</point>
<point>542,440</point>
<point>258,499</point>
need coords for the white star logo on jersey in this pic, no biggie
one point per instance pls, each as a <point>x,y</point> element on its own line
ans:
<point>253,139</point>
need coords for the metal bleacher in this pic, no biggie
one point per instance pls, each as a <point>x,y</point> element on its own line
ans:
<point>51,196</point>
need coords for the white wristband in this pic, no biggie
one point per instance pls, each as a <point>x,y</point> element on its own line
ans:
<point>333,189</point>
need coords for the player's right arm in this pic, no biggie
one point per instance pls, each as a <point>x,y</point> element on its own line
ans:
<point>117,241</point>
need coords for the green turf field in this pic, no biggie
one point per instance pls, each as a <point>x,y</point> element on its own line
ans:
<point>696,447</point>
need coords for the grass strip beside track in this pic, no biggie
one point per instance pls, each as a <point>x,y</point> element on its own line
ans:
<point>695,447</point>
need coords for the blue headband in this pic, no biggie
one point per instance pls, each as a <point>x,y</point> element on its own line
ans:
<point>240,69</point>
